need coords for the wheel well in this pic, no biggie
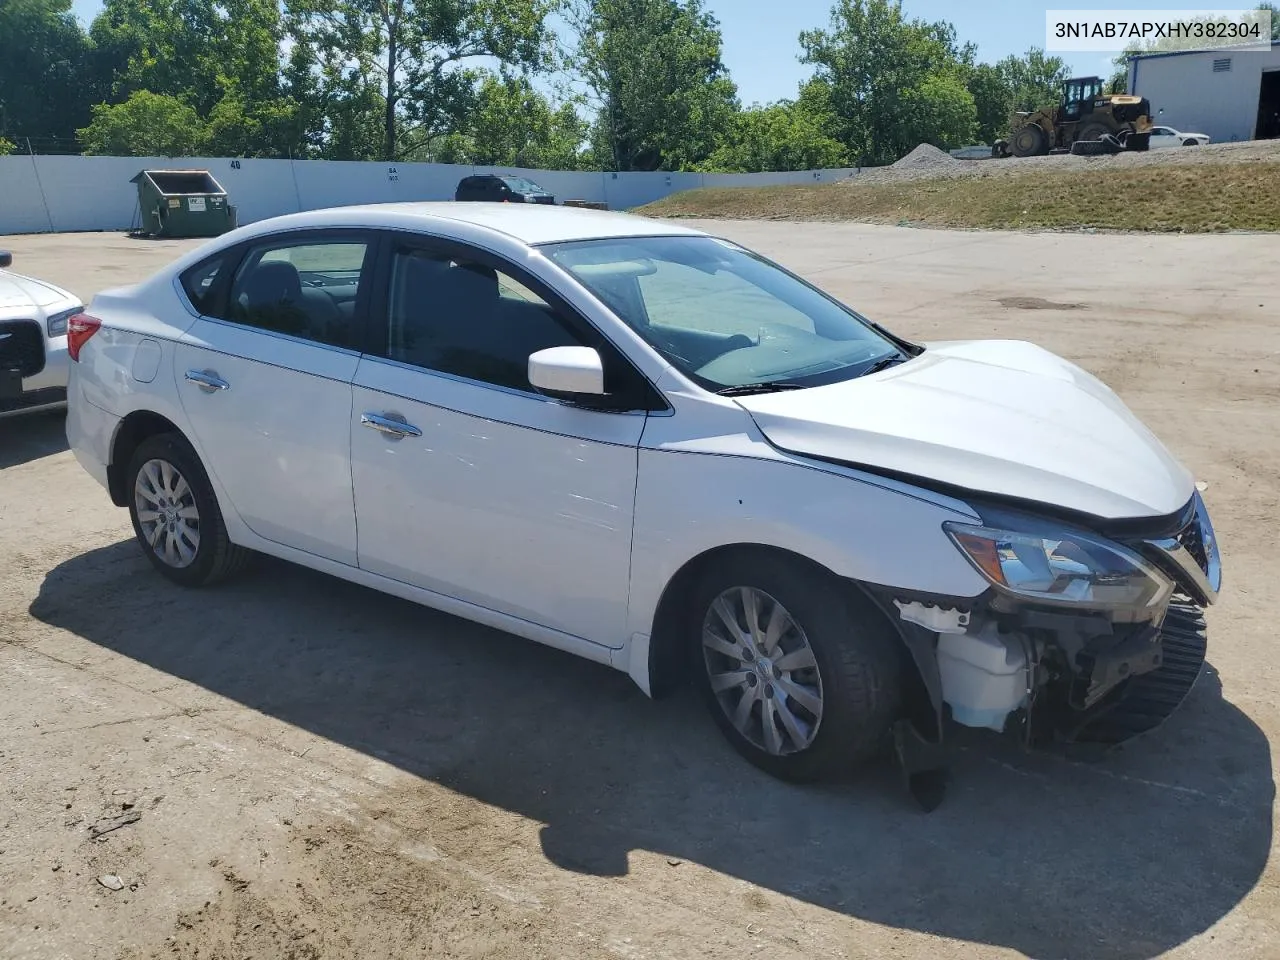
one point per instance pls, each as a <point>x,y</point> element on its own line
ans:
<point>135,428</point>
<point>670,646</point>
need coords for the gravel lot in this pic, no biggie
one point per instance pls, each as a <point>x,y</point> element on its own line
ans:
<point>322,771</point>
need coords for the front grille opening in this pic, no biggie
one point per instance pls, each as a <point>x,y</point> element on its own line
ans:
<point>21,347</point>
<point>1189,537</point>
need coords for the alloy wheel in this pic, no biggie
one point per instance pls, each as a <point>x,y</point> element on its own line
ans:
<point>762,670</point>
<point>167,513</point>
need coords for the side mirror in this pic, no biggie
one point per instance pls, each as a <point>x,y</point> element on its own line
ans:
<point>567,372</point>
<point>6,259</point>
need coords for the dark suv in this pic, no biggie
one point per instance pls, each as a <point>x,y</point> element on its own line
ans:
<point>498,189</point>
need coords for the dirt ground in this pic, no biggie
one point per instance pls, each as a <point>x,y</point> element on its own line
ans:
<point>321,771</point>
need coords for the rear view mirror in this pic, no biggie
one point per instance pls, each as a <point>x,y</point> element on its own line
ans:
<point>6,259</point>
<point>567,372</point>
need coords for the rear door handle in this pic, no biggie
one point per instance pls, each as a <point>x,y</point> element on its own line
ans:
<point>389,425</point>
<point>207,380</point>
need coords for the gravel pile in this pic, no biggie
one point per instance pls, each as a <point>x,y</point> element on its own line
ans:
<point>923,162</point>
<point>926,157</point>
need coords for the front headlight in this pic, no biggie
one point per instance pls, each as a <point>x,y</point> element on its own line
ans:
<point>1062,568</point>
<point>57,323</point>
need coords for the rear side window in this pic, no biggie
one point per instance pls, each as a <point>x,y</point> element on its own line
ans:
<point>200,284</point>
<point>306,289</point>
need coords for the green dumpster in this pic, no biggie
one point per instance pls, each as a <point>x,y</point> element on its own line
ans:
<point>183,203</point>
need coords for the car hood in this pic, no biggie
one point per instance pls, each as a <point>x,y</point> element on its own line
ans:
<point>999,417</point>
<point>18,292</point>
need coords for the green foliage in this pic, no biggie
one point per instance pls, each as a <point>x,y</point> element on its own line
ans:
<point>789,135</point>
<point>420,55</point>
<point>513,125</point>
<point>1275,18</point>
<point>241,127</point>
<point>992,100</point>
<point>191,49</point>
<point>895,83</point>
<point>7,147</point>
<point>44,69</point>
<point>146,125</point>
<point>1034,79</point>
<point>663,95</point>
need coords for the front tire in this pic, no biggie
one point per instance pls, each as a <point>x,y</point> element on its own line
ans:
<point>1029,140</point>
<point>802,675</point>
<point>175,514</point>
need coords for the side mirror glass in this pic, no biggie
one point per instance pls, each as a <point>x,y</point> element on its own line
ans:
<point>6,259</point>
<point>567,372</point>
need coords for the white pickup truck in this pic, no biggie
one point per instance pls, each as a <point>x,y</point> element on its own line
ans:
<point>33,341</point>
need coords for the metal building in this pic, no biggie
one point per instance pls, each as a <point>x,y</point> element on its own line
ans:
<point>1228,94</point>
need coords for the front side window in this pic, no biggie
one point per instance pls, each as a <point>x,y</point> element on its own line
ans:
<point>306,289</point>
<point>724,316</point>
<point>468,319</point>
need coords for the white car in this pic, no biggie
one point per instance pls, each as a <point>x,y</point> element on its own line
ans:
<point>33,341</point>
<point>1169,137</point>
<point>660,451</point>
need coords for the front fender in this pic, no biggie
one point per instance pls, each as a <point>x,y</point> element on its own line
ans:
<point>690,503</point>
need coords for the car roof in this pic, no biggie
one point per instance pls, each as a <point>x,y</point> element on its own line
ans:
<point>529,224</point>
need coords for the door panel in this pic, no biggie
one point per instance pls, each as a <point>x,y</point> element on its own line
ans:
<point>507,500</point>
<point>277,437</point>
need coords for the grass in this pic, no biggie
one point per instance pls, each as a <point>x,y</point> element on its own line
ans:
<point>1191,198</point>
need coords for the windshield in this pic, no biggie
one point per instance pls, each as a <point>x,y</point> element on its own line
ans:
<point>724,316</point>
<point>520,183</point>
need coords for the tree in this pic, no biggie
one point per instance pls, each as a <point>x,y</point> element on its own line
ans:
<point>788,135</point>
<point>894,83</point>
<point>146,125</point>
<point>221,57</point>
<point>992,100</point>
<point>420,54</point>
<point>513,125</point>
<point>6,147</point>
<point>663,96</point>
<point>241,127</point>
<point>1275,18</point>
<point>1034,79</point>
<point>191,49</point>
<point>45,85</point>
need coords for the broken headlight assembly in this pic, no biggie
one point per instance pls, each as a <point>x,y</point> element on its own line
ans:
<point>1064,568</point>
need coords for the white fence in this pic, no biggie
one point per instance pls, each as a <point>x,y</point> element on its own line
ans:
<point>58,194</point>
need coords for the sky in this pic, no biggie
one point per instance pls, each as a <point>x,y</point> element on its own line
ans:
<point>761,37</point>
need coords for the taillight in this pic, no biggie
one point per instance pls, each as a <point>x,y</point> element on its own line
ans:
<point>79,329</point>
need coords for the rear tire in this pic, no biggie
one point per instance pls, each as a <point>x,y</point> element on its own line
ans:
<point>813,687</point>
<point>1093,131</point>
<point>175,514</point>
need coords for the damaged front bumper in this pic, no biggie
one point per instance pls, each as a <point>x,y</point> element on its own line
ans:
<point>1050,671</point>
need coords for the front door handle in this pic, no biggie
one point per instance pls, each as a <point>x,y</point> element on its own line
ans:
<point>207,380</point>
<point>389,425</point>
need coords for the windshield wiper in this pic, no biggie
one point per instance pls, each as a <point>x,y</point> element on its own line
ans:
<point>747,389</point>
<point>884,363</point>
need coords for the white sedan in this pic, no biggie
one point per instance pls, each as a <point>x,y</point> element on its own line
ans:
<point>660,451</point>
<point>33,341</point>
<point>1169,137</point>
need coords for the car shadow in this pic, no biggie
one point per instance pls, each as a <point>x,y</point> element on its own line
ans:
<point>1117,860</point>
<point>31,436</point>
